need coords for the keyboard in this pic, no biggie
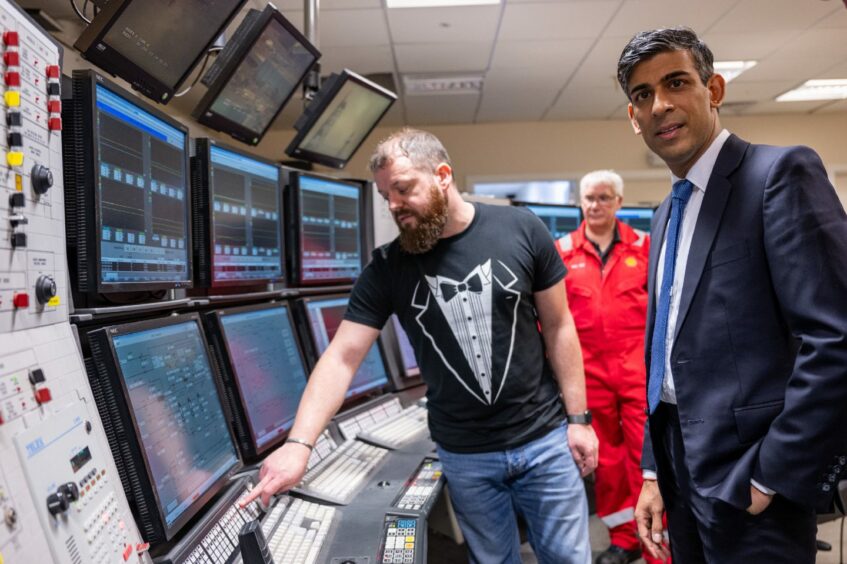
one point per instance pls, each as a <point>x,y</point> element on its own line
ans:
<point>399,429</point>
<point>423,488</point>
<point>296,529</point>
<point>403,540</point>
<point>335,472</point>
<point>368,415</point>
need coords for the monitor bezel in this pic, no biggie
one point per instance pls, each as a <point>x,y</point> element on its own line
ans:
<point>400,377</point>
<point>204,114</point>
<point>203,155</point>
<point>198,504</point>
<point>314,112</point>
<point>309,341</point>
<point>230,373</point>
<point>89,80</point>
<point>92,47</point>
<point>292,204</point>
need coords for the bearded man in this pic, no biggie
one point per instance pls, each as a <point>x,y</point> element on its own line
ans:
<point>471,284</point>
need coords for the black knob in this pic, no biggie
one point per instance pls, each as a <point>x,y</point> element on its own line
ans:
<point>45,288</point>
<point>42,179</point>
<point>70,491</point>
<point>57,503</point>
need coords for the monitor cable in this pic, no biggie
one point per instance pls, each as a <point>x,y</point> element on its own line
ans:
<point>78,12</point>
<point>199,73</point>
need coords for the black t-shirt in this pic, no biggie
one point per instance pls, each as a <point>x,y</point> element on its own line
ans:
<point>468,309</point>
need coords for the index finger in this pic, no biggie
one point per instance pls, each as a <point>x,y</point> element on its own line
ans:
<point>254,493</point>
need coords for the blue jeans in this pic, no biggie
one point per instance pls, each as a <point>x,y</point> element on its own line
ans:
<point>539,480</point>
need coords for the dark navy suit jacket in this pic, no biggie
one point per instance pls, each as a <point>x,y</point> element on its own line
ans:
<point>759,359</point>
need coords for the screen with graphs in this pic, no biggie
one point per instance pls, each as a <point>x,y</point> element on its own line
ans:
<point>330,235</point>
<point>143,189</point>
<point>246,217</point>
<point>560,220</point>
<point>178,415</point>
<point>269,369</point>
<point>325,315</point>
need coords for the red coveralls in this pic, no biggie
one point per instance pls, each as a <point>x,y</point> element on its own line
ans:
<point>609,306</point>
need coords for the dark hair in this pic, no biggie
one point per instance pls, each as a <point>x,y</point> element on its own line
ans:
<point>647,44</point>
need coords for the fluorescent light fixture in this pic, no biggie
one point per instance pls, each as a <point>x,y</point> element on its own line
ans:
<point>731,69</point>
<point>437,3</point>
<point>826,89</point>
<point>417,85</point>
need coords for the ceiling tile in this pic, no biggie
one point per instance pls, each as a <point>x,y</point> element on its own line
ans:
<point>641,15</point>
<point>562,55</point>
<point>835,106</point>
<point>363,60</point>
<point>289,5</point>
<point>441,109</point>
<point>772,15</point>
<point>782,108</point>
<point>836,19</point>
<point>599,69</point>
<point>350,28</point>
<point>585,103</point>
<point>560,20</point>
<point>760,91</point>
<point>442,57</point>
<point>466,24</point>
<point>750,45</point>
<point>518,95</point>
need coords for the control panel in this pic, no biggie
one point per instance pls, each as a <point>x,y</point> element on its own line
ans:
<point>403,540</point>
<point>423,488</point>
<point>33,283</point>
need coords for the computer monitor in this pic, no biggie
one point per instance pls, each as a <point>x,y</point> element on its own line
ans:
<point>157,395</point>
<point>237,217</point>
<point>325,229</point>
<point>126,191</point>
<point>560,220</point>
<point>636,217</point>
<point>399,355</point>
<point>319,318</point>
<point>343,114</point>
<point>255,75</point>
<point>263,372</point>
<point>154,44</point>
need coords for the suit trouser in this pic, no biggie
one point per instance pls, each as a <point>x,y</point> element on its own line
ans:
<point>710,530</point>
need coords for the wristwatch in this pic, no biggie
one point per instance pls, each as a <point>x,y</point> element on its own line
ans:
<point>581,419</point>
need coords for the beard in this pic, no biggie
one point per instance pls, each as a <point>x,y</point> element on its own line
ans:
<point>422,237</point>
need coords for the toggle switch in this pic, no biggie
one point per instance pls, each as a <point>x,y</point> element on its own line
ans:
<point>54,124</point>
<point>19,242</point>
<point>52,71</point>
<point>16,139</point>
<point>42,395</point>
<point>14,158</point>
<point>21,299</point>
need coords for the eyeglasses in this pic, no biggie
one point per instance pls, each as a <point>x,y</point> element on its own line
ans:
<point>603,200</point>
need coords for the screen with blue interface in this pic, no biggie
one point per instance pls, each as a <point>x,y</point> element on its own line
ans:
<point>407,353</point>
<point>178,415</point>
<point>325,315</point>
<point>330,233</point>
<point>143,194</point>
<point>560,220</point>
<point>268,367</point>
<point>246,207</point>
<point>637,218</point>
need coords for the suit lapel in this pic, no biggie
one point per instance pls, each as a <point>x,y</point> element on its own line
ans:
<point>708,221</point>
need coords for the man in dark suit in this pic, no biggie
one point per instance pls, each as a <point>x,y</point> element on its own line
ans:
<point>746,339</point>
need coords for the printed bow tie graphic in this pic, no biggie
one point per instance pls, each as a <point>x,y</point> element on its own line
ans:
<point>473,284</point>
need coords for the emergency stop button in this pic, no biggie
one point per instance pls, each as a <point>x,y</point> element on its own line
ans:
<point>21,300</point>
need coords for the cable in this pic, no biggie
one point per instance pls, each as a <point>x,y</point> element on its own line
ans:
<point>199,73</point>
<point>78,13</point>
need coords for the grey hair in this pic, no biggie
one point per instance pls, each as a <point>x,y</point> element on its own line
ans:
<point>609,177</point>
<point>648,44</point>
<point>423,148</point>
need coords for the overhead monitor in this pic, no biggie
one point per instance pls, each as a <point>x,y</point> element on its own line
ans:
<point>636,217</point>
<point>560,220</point>
<point>159,401</point>
<point>154,44</point>
<point>323,315</point>
<point>325,227</point>
<point>262,370</point>
<point>343,114</point>
<point>255,76</point>
<point>126,191</point>
<point>237,215</point>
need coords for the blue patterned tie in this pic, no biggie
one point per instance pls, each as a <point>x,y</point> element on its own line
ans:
<point>679,198</point>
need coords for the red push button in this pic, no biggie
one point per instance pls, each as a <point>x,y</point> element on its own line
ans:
<point>12,78</point>
<point>12,59</point>
<point>10,38</point>
<point>54,107</point>
<point>53,71</point>
<point>127,552</point>
<point>42,395</point>
<point>21,300</point>
<point>54,124</point>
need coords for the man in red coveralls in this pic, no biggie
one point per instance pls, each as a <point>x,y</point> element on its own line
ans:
<point>607,293</point>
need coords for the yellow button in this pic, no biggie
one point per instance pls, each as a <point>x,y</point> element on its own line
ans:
<point>54,301</point>
<point>410,545</point>
<point>15,158</point>
<point>19,183</point>
<point>410,538</point>
<point>13,98</point>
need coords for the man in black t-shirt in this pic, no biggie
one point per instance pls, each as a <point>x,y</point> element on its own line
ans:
<point>470,284</point>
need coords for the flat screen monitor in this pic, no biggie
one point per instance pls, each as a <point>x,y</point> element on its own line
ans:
<point>126,191</point>
<point>237,217</point>
<point>154,385</point>
<point>255,76</point>
<point>154,44</point>
<point>325,223</point>
<point>636,217</point>
<point>559,220</point>
<point>399,355</point>
<point>407,353</point>
<point>263,372</point>
<point>338,121</point>
<point>323,315</point>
